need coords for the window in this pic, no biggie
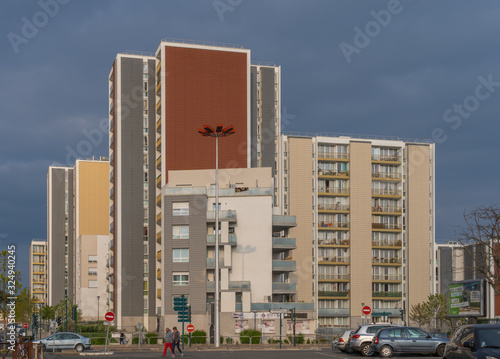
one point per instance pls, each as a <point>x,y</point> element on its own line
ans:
<point>180,255</point>
<point>180,232</point>
<point>180,279</point>
<point>92,284</point>
<point>92,271</point>
<point>92,259</point>
<point>180,208</point>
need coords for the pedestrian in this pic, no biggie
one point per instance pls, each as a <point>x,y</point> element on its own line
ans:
<point>176,340</point>
<point>168,342</point>
<point>122,338</point>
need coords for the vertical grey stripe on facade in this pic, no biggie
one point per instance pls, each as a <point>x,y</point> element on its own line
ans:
<point>71,237</point>
<point>268,128</point>
<point>130,276</point>
<point>152,187</point>
<point>58,216</point>
<point>445,269</point>
<point>253,116</point>
<point>197,244</point>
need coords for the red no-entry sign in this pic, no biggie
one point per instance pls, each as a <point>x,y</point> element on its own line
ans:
<point>25,325</point>
<point>366,310</point>
<point>109,316</point>
<point>190,328</point>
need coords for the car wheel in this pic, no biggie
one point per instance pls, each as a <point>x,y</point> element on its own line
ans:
<point>365,350</point>
<point>440,350</point>
<point>386,351</point>
<point>79,348</point>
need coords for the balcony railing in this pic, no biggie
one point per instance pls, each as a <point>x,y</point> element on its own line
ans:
<point>391,175</point>
<point>333,224</point>
<point>211,239</point>
<point>382,277</point>
<point>322,172</point>
<point>238,285</point>
<point>334,276</point>
<point>286,243</point>
<point>386,294</point>
<point>224,215</point>
<point>392,209</point>
<point>333,207</point>
<point>327,293</point>
<point>386,243</point>
<point>386,226</point>
<point>334,190</point>
<point>386,158</point>
<point>284,265</point>
<point>284,287</point>
<point>395,260</point>
<point>334,259</point>
<point>334,155</point>
<point>386,192</point>
<point>211,262</point>
<point>334,312</point>
<point>334,242</point>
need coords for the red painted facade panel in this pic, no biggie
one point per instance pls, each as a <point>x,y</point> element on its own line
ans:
<point>204,87</point>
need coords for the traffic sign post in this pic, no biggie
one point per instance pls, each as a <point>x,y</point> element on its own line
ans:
<point>183,312</point>
<point>367,310</point>
<point>109,316</point>
<point>190,329</point>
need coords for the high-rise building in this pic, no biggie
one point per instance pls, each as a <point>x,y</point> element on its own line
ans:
<point>38,271</point>
<point>365,224</point>
<point>60,227</point>
<point>158,102</point>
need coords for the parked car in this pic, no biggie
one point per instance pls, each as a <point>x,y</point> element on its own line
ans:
<point>65,341</point>
<point>361,339</point>
<point>479,341</point>
<point>343,342</point>
<point>440,335</point>
<point>407,340</point>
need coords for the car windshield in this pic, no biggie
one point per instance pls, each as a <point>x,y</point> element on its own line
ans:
<point>489,338</point>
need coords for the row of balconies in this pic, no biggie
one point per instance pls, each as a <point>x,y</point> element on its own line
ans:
<point>345,294</point>
<point>346,312</point>
<point>346,276</point>
<point>377,192</point>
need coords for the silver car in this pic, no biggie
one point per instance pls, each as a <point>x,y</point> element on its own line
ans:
<point>65,341</point>
<point>342,343</point>
<point>361,339</point>
<point>407,340</point>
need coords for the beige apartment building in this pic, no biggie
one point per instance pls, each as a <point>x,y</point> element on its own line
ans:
<point>365,225</point>
<point>38,271</point>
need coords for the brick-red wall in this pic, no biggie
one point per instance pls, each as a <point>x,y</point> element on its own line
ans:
<point>204,87</point>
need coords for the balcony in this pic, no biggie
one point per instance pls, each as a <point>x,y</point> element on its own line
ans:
<point>158,201</point>
<point>284,288</point>
<point>158,144</point>
<point>158,162</point>
<point>158,256</point>
<point>158,126</point>
<point>158,182</point>
<point>386,192</point>
<point>384,226</point>
<point>284,266</point>
<point>385,209</point>
<point>158,218</point>
<point>281,223</point>
<point>158,237</point>
<point>158,274</point>
<point>264,307</point>
<point>333,277</point>
<point>333,225</point>
<point>338,294</point>
<point>332,174</point>
<point>238,285</point>
<point>344,191</point>
<point>211,262</point>
<point>158,106</point>
<point>333,207</point>
<point>386,243</point>
<point>393,261</point>
<point>334,242</point>
<point>329,156</point>
<point>334,312</point>
<point>284,243</point>
<point>389,176</point>
<point>334,260</point>
<point>386,277</point>
<point>158,293</point>
<point>224,215</point>
<point>386,158</point>
<point>211,240</point>
<point>158,67</point>
<point>386,294</point>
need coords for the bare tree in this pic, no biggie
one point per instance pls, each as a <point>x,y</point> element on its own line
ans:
<point>480,238</point>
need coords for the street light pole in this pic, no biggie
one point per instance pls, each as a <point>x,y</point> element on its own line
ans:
<point>98,297</point>
<point>220,131</point>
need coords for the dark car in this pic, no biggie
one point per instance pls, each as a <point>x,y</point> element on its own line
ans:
<point>481,341</point>
<point>408,340</point>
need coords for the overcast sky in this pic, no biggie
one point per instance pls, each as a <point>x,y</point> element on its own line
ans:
<point>411,69</point>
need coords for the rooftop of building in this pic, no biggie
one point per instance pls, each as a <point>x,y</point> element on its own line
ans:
<point>346,136</point>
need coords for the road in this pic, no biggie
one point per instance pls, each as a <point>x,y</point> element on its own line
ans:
<point>323,353</point>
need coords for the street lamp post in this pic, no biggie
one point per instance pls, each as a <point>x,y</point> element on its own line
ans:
<point>66,298</point>
<point>98,297</point>
<point>220,131</point>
